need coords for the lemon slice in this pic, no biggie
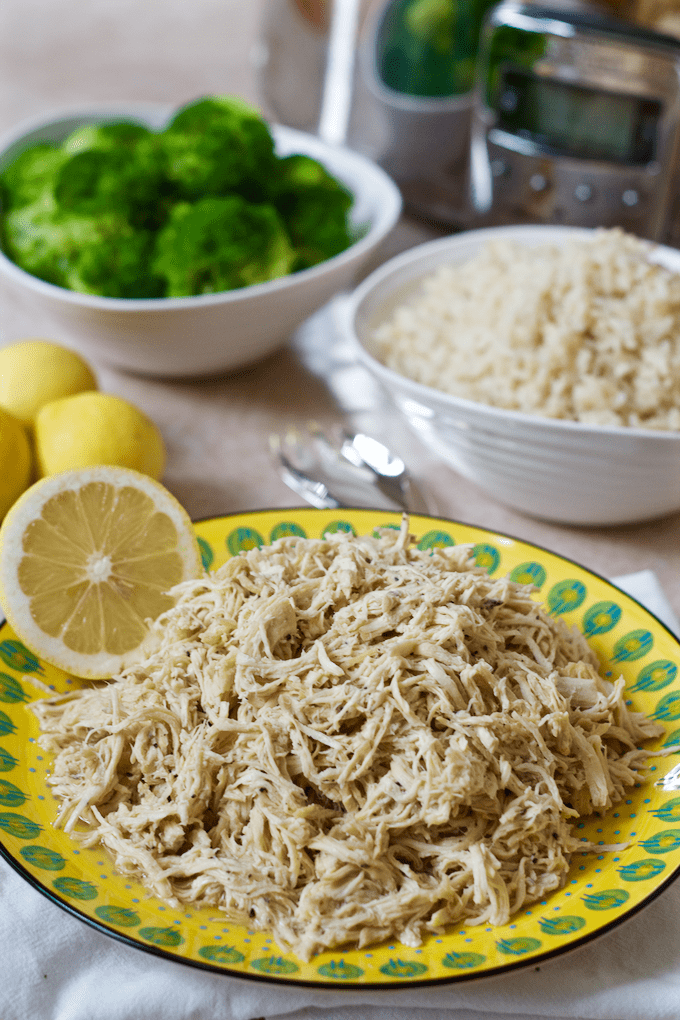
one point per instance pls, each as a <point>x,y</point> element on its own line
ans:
<point>87,559</point>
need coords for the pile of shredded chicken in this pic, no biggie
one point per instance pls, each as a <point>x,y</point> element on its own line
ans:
<point>347,739</point>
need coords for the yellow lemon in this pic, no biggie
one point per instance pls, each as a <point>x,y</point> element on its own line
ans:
<point>34,372</point>
<point>96,428</point>
<point>87,558</point>
<point>15,461</point>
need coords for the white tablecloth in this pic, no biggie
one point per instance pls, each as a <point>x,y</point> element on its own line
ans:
<point>55,967</point>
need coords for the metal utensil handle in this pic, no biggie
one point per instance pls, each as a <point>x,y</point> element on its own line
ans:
<point>336,95</point>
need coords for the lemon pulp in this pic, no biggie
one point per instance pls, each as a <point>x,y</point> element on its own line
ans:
<point>94,565</point>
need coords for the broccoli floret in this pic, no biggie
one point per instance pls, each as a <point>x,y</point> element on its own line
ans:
<point>91,254</point>
<point>130,180</point>
<point>202,206</point>
<point>120,269</point>
<point>31,174</point>
<point>89,181</point>
<point>121,166</point>
<point>219,244</point>
<point>120,134</point>
<point>314,207</point>
<point>298,171</point>
<point>217,147</point>
<point>46,243</point>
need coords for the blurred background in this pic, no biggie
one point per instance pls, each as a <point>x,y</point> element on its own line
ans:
<point>56,55</point>
<point>408,67</point>
<point>65,53</point>
<point>562,111</point>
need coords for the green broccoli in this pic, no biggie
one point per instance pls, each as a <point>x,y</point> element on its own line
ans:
<point>219,244</point>
<point>202,206</point>
<point>89,181</point>
<point>119,134</point>
<point>132,181</point>
<point>45,242</point>
<point>314,207</point>
<point>219,146</point>
<point>30,174</point>
<point>91,254</point>
<point>294,173</point>
<point>121,269</point>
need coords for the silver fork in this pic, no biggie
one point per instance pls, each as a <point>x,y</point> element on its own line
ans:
<point>344,470</point>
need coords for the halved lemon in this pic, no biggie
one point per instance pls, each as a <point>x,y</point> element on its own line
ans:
<point>87,559</point>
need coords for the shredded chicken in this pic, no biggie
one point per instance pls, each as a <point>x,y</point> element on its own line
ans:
<point>347,739</point>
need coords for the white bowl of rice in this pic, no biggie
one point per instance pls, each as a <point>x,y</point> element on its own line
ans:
<point>541,362</point>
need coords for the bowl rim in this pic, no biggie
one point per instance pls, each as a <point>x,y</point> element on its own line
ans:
<point>351,305</point>
<point>155,114</point>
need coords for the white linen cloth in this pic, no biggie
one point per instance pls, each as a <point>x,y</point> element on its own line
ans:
<point>55,967</point>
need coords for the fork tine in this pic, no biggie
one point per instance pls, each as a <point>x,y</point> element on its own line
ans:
<point>298,449</point>
<point>377,457</point>
<point>338,472</point>
<point>314,491</point>
<point>327,446</point>
<point>340,448</point>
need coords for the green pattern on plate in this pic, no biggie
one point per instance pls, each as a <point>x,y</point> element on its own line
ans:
<point>403,968</point>
<point>518,946</point>
<point>17,656</point>
<point>243,540</point>
<point>486,556</point>
<point>463,961</point>
<point>529,573</point>
<point>6,725</point>
<point>436,540</point>
<point>75,888</point>
<point>662,842</point>
<point>207,554</point>
<point>668,812</point>
<point>336,527</point>
<point>673,740</point>
<point>565,596</point>
<point>632,646</point>
<point>655,676</point>
<point>639,871</point>
<point>600,618</point>
<point>7,761</point>
<point>340,971</point>
<point>221,954</point>
<point>168,937</point>
<point>11,690</point>
<point>668,709</point>
<point>274,965</point>
<point>11,795</point>
<point>286,529</point>
<point>18,826</point>
<point>121,916</point>
<point>564,925</point>
<point>43,857</point>
<point>607,899</point>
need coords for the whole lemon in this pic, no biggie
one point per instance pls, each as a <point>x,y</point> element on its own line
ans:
<point>15,461</point>
<point>34,372</point>
<point>96,428</point>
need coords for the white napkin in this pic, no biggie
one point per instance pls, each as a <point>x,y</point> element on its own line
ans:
<point>644,586</point>
<point>55,967</point>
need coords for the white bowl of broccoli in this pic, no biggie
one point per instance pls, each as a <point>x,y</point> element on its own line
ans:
<point>190,242</point>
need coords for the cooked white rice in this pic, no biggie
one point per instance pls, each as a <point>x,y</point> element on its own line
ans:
<point>587,331</point>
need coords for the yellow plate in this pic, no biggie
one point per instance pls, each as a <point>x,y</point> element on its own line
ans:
<point>601,890</point>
